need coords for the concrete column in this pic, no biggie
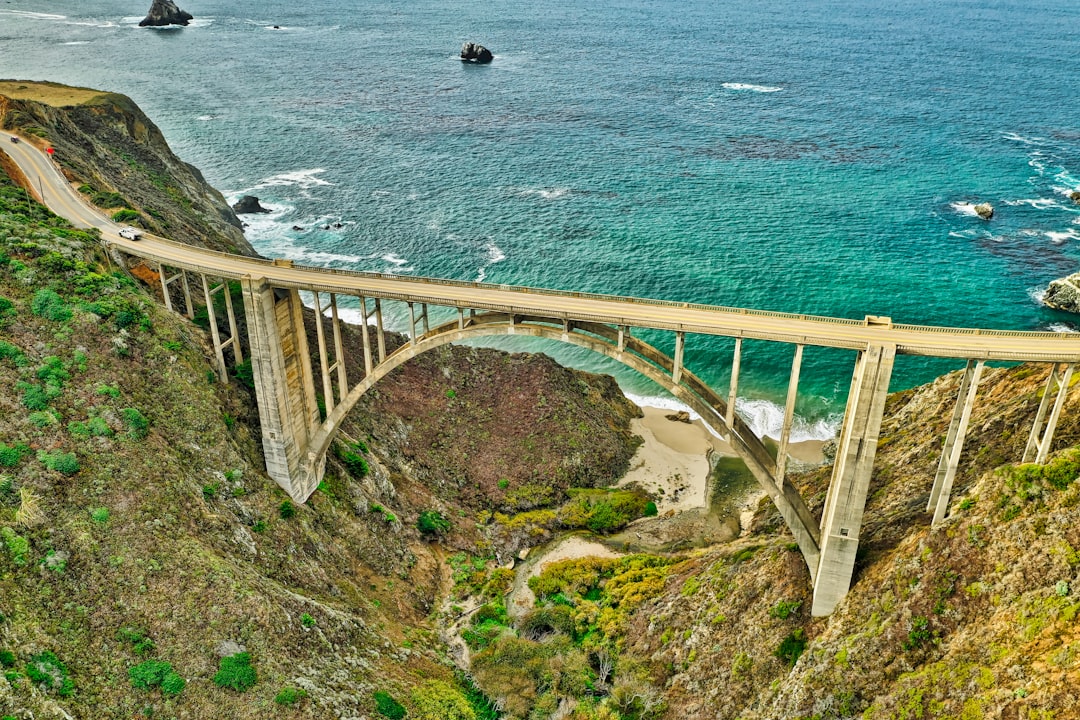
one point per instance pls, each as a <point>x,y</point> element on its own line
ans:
<point>190,306</point>
<point>238,353</point>
<point>368,365</point>
<point>379,329</point>
<point>339,350</point>
<point>954,441</point>
<point>789,415</point>
<point>733,387</point>
<point>223,372</point>
<point>412,324</point>
<point>163,277</point>
<point>284,387</point>
<point>623,332</point>
<point>851,477</point>
<point>461,318</point>
<point>1038,444</point>
<point>324,364</point>
<point>424,318</point>
<point>676,371</point>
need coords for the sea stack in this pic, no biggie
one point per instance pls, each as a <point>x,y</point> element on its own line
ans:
<point>165,12</point>
<point>1064,294</point>
<point>248,204</point>
<point>984,210</point>
<point>1075,196</point>
<point>475,53</point>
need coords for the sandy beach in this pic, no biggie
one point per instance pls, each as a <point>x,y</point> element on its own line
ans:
<point>673,460</point>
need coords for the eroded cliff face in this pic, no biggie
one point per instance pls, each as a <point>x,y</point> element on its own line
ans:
<point>119,158</point>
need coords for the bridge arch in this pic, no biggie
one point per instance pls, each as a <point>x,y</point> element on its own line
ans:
<point>634,354</point>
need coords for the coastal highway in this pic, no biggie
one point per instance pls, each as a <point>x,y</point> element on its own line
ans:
<point>963,343</point>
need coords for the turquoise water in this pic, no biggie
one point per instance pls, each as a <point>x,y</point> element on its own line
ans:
<point>813,157</point>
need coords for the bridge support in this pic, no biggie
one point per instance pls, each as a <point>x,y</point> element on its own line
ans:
<point>841,519</point>
<point>284,386</point>
<point>954,441</point>
<point>1038,444</point>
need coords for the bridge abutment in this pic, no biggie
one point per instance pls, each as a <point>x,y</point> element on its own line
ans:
<point>842,516</point>
<point>284,386</point>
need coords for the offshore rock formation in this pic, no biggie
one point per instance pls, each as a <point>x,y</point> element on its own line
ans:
<point>1064,294</point>
<point>476,53</point>
<point>984,210</point>
<point>248,204</point>
<point>165,12</point>
<point>1075,196</point>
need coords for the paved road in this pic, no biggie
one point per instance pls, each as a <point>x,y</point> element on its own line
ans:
<point>64,200</point>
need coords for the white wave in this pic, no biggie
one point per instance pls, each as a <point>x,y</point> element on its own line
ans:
<point>964,208</point>
<point>752,88</point>
<point>1037,293</point>
<point>766,419</point>
<point>34,15</point>
<point>965,234</point>
<point>494,255</point>
<point>77,42</point>
<point>547,193</point>
<point>204,118</point>
<point>1061,328</point>
<point>1066,190</point>
<point>1060,238</point>
<point>303,179</point>
<point>92,23</point>
<point>1037,203</point>
<point>1025,140</point>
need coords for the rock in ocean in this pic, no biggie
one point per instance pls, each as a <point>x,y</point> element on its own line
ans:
<point>1064,294</point>
<point>248,204</point>
<point>472,52</point>
<point>165,12</point>
<point>984,210</point>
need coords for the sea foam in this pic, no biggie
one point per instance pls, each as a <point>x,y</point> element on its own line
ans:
<point>752,88</point>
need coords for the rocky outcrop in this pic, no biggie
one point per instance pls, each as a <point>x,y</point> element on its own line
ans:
<point>1064,294</point>
<point>475,53</point>
<point>1075,196</point>
<point>984,210</point>
<point>102,140</point>
<point>247,205</point>
<point>165,12</point>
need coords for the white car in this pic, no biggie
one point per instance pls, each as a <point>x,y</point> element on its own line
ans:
<point>130,233</point>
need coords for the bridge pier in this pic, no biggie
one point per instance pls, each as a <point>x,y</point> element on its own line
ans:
<point>954,442</point>
<point>842,516</point>
<point>284,386</point>
<point>1038,444</point>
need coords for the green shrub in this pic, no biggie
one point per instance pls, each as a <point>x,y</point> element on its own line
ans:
<point>106,199</point>
<point>47,304</point>
<point>785,608</point>
<point>110,390</point>
<point>137,424</point>
<point>650,509</point>
<point>100,515</point>
<point>432,522</point>
<point>46,671</point>
<point>18,547</point>
<point>439,700</point>
<point>352,459</point>
<point>42,419</point>
<point>58,461</point>
<point>286,510</point>
<point>245,374</point>
<point>289,696</point>
<point>236,672</point>
<point>10,456</point>
<point>125,215</point>
<point>12,353</point>
<point>919,634</point>
<point>307,621</point>
<point>34,396</point>
<point>156,673</point>
<point>7,658</point>
<point>387,706</point>
<point>792,647</point>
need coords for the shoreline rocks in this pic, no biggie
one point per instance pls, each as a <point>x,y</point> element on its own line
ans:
<point>1064,294</point>
<point>247,205</point>
<point>165,12</point>
<point>475,53</point>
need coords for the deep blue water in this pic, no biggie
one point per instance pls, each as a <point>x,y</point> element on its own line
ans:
<point>813,157</point>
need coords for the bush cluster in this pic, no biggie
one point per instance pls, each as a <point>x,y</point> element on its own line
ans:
<point>236,672</point>
<point>433,523</point>
<point>156,673</point>
<point>387,706</point>
<point>46,671</point>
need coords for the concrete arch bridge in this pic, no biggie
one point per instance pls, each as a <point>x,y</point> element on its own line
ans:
<point>295,439</point>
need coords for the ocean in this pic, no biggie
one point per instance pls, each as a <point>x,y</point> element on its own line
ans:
<point>813,157</point>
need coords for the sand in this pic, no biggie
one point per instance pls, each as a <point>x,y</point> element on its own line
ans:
<point>673,461</point>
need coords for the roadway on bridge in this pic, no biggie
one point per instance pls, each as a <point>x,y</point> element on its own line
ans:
<point>64,200</point>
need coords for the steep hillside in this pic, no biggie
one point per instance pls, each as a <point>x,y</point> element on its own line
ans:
<point>141,540</point>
